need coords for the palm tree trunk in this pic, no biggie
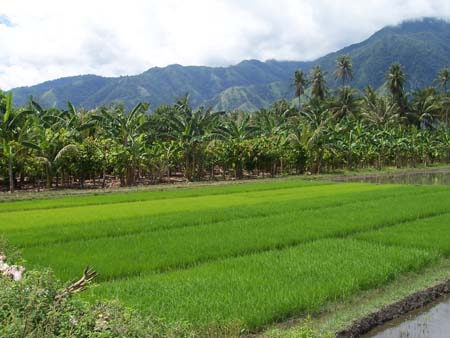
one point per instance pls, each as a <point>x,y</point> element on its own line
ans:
<point>104,179</point>
<point>11,176</point>
<point>49,178</point>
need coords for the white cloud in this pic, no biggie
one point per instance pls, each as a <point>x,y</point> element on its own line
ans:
<point>46,39</point>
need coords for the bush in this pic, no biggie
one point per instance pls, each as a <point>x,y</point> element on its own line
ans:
<point>28,309</point>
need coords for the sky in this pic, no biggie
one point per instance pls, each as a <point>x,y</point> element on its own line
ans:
<point>47,39</point>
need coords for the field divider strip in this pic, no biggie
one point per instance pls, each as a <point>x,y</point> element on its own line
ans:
<point>277,247</point>
<point>243,217</point>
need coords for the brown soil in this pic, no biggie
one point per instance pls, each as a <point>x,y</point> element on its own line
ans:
<point>387,313</point>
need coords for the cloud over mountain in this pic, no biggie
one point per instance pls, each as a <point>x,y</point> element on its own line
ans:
<point>58,38</point>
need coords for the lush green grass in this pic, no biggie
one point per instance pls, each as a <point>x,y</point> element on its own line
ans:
<point>259,289</point>
<point>256,252</point>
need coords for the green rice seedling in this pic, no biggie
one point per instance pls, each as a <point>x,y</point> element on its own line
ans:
<point>430,233</point>
<point>116,257</point>
<point>31,219</point>
<point>116,227</point>
<point>112,198</point>
<point>258,289</point>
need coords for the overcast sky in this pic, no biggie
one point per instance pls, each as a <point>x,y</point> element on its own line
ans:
<point>47,39</point>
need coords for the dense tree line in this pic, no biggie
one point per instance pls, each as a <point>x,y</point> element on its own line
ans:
<point>323,130</point>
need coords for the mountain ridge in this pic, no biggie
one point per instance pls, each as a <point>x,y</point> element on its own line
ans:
<point>422,46</point>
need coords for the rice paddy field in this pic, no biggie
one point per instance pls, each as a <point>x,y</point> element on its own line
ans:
<point>245,255</point>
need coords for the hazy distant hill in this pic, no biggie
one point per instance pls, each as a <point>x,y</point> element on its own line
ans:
<point>423,47</point>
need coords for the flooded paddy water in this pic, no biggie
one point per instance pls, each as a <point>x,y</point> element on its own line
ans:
<point>433,320</point>
<point>425,177</point>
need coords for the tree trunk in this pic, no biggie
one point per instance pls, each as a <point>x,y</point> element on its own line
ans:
<point>49,178</point>
<point>130,176</point>
<point>104,179</point>
<point>22,179</point>
<point>11,176</point>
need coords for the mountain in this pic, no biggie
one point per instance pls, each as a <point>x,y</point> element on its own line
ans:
<point>421,46</point>
<point>205,85</point>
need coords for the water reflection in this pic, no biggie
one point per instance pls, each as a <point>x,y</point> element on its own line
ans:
<point>431,322</point>
<point>441,177</point>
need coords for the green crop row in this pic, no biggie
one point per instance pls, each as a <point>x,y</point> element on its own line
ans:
<point>120,256</point>
<point>112,198</point>
<point>244,255</point>
<point>118,227</point>
<point>431,233</point>
<point>258,289</point>
<point>34,219</point>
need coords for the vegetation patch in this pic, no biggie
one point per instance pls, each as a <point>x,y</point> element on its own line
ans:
<point>226,259</point>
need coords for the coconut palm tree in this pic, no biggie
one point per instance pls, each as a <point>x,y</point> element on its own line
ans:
<point>381,112</point>
<point>345,103</point>
<point>344,69</point>
<point>395,82</point>
<point>318,83</point>
<point>445,108</point>
<point>443,78</point>
<point>300,81</point>
<point>425,107</point>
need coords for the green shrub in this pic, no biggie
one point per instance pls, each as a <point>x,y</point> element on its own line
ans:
<point>28,309</point>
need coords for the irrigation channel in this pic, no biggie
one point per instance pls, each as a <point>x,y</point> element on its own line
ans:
<point>432,320</point>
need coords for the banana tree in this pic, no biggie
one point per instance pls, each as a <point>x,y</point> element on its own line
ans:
<point>13,135</point>
<point>127,129</point>
<point>193,130</point>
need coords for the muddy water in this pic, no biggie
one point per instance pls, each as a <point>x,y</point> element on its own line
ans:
<point>432,321</point>
<point>437,177</point>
